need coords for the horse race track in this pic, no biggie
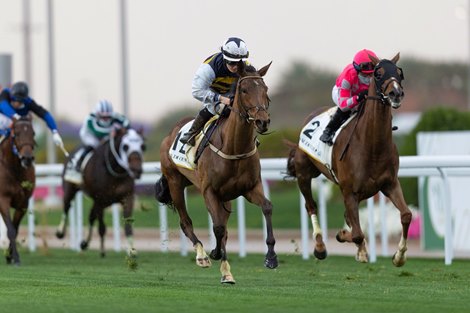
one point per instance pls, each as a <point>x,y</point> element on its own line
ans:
<point>64,281</point>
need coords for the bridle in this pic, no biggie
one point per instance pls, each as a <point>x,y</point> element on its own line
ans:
<point>121,155</point>
<point>390,76</point>
<point>245,114</point>
<point>18,147</point>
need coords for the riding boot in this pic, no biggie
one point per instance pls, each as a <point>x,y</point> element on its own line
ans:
<point>201,119</point>
<point>336,120</point>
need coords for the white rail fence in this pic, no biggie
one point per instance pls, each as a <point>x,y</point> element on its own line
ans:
<point>272,169</point>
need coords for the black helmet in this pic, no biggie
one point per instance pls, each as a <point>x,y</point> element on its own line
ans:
<point>19,91</point>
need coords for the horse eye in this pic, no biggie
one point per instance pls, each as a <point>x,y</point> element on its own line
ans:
<point>125,147</point>
<point>243,90</point>
<point>143,147</point>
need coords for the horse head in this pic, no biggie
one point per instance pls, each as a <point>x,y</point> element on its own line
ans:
<point>23,140</point>
<point>388,77</point>
<point>251,98</point>
<point>130,151</point>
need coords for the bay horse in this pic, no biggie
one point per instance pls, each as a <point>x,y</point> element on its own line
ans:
<point>17,179</point>
<point>364,161</point>
<point>229,169</point>
<point>108,178</point>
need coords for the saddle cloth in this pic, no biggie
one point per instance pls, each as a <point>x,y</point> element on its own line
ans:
<point>183,155</point>
<point>310,142</point>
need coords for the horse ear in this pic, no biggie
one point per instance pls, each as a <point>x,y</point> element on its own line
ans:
<point>241,69</point>
<point>396,58</point>
<point>264,69</point>
<point>140,131</point>
<point>373,59</point>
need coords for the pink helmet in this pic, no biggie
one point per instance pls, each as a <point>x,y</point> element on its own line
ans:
<point>362,63</point>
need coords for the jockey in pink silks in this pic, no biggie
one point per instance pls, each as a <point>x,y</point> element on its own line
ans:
<point>350,89</point>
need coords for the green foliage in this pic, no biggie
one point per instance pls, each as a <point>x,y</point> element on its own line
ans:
<point>67,281</point>
<point>435,119</point>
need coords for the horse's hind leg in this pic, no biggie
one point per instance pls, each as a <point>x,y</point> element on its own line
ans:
<point>177,194</point>
<point>306,171</point>
<point>395,194</point>
<point>70,190</point>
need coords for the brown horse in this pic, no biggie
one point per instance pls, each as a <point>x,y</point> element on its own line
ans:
<point>108,178</point>
<point>364,161</point>
<point>229,169</point>
<point>17,179</point>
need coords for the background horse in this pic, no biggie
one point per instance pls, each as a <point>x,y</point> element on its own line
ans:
<point>17,179</point>
<point>364,160</point>
<point>108,178</point>
<point>229,169</point>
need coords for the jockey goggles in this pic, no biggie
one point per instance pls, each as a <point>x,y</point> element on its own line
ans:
<point>365,67</point>
<point>231,63</point>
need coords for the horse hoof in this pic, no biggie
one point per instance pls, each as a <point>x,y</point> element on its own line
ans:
<point>321,255</point>
<point>215,256</point>
<point>59,234</point>
<point>271,262</point>
<point>83,245</point>
<point>203,262</point>
<point>339,238</point>
<point>227,279</point>
<point>398,262</point>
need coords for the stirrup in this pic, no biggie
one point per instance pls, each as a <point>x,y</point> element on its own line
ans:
<point>73,176</point>
<point>190,140</point>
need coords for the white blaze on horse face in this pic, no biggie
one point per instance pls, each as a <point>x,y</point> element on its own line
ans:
<point>134,143</point>
<point>394,104</point>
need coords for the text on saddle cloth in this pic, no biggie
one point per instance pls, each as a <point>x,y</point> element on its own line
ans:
<point>184,155</point>
<point>310,142</point>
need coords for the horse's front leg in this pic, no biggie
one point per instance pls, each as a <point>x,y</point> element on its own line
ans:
<point>395,194</point>
<point>12,254</point>
<point>70,190</point>
<point>101,229</point>
<point>91,221</point>
<point>256,196</point>
<point>128,208</point>
<point>356,235</point>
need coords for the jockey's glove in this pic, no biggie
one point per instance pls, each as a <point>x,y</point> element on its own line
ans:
<point>56,138</point>
<point>362,95</point>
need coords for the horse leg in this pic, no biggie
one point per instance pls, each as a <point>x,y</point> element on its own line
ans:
<point>91,220</point>
<point>395,194</point>
<point>101,229</point>
<point>186,224</point>
<point>220,213</point>
<point>12,253</point>
<point>356,235</point>
<point>256,196</point>
<point>127,209</point>
<point>70,190</point>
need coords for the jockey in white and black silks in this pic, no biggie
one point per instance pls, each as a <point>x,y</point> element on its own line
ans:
<point>15,103</point>
<point>213,81</point>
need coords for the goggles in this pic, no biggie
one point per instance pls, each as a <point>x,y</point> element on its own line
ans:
<point>366,67</point>
<point>231,63</point>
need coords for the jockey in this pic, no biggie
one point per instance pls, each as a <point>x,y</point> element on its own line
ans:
<point>351,88</point>
<point>97,126</point>
<point>15,103</point>
<point>213,81</point>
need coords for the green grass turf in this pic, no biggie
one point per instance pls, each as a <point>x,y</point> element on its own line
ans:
<point>64,281</point>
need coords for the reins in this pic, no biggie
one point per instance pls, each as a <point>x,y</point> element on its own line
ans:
<point>245,116</point>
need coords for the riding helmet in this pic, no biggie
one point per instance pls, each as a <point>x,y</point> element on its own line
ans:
<point>234,50</point>
<point>19,91</point>
<point>362,62</point>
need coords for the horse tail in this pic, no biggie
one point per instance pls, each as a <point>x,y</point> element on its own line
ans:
<point>162,191</point>
<point>290,160</point>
